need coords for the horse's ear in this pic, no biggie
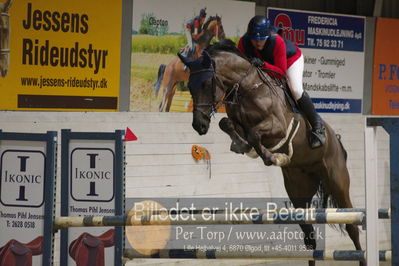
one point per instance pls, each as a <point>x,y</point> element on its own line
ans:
<point>7,5</point>
<point>207,61</point>
<point>183,58</point>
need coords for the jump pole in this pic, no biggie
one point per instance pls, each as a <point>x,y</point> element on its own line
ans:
<point>334,255</point>
<point>382,213</point>
<point>356,218</point>
<point>371,184</point>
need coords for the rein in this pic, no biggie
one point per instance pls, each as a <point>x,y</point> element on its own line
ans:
<point>216,104</point>
<point>236,86</point>
<point>280,82</point>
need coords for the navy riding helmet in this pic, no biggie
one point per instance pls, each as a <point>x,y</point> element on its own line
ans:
<point>203,12</point>
<point>259,28</point>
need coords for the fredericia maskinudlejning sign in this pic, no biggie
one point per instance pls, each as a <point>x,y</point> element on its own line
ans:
<point>22,178</point>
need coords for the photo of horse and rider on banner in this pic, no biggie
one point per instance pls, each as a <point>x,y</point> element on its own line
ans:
<point>158,77</point>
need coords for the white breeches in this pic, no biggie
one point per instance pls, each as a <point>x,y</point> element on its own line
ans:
<point>294,77</point>
<point>189,38</point>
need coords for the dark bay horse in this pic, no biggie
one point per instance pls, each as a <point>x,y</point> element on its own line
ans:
<point>260,117</point>
<point>172,73</point>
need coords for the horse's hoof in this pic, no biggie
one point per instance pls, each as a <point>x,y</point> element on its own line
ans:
<point>234,147</point>
<point>280,159</point>
<point>252,154</point>
<point>268,161</point>
<point>241,148</point>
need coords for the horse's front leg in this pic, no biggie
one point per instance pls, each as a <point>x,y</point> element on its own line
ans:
<point>254,139</point>
<point>268,127</point>
<point>235,131</point>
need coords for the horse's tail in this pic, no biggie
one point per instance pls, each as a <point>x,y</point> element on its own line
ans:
<point>157,85</point>
<point>327,201</point>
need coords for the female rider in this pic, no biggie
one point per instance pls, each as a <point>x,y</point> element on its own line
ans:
<point>268,50</point>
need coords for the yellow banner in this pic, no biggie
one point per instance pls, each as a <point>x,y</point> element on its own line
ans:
<point>60,54</point>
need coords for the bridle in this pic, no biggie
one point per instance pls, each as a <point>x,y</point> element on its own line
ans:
<point>212,105</point>
<point>215,104</point>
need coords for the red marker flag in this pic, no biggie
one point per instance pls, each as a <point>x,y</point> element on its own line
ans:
<point>130,135</point>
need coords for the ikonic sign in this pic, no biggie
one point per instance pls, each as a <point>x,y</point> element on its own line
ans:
<point>92,184</point>
<point>92,174</point>
<point>27,177</point>
<point>22,178</point>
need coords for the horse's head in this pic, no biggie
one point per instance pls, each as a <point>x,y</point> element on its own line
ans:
<point>4,37</point>
<point>213,28</point>
<point>202,88</point>
<point>4,7</point>
<point>4,44</point>
<point>221,35</point>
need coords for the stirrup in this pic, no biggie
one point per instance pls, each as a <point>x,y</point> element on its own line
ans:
<point>317,137</point>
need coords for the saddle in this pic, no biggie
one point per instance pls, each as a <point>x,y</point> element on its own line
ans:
<point>89,250</point>
<point>290,99</point>
<point>20,254</point>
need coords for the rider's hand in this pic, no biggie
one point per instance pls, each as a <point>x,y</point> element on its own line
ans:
<point>256,62</point>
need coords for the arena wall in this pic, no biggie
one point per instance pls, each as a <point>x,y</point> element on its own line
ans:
<point>160,164</point>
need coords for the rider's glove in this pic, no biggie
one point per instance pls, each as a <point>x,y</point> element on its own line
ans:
<point>256,62</point>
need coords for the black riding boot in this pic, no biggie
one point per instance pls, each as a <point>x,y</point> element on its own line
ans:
<point>317,136</point>
<point>187,52</point>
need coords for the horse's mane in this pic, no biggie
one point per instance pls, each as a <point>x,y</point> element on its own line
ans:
<point>229,46</point>
<point>210,19</point>
<point>225,45</point>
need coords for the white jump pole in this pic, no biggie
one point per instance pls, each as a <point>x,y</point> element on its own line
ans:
<point>371,184</point>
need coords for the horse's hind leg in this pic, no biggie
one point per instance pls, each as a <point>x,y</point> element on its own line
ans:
<point>172,91</point>
<point>163,101</point>
<point>301,188</point>
<point>166,84</point>
<point>338,186</point>
<point>166,101</point>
